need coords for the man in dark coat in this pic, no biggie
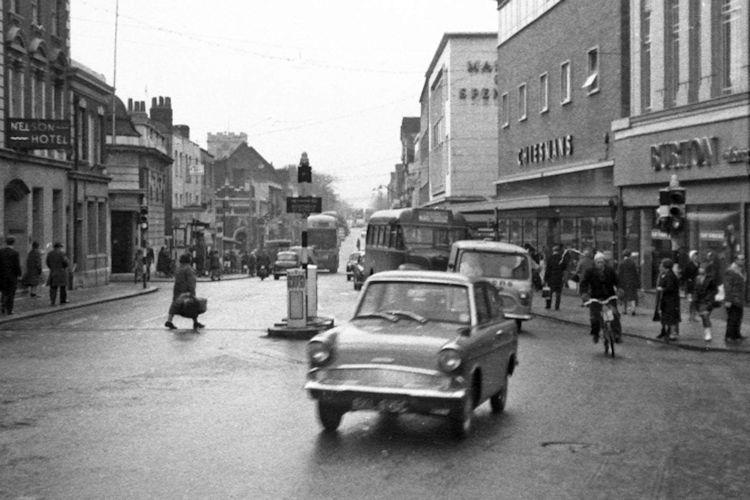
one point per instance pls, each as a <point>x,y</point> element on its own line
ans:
<point>630,281</point>
<point>668,289</point>
<point>10,271</point>
<point>553,276</point>
<point>735,280</point>
<point>57,262</point>
<point>600,282</point>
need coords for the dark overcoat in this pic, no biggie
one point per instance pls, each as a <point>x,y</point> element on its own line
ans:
<point>630,281</point>
<point>57,262</point>
<point>33,274</point>
<point>10,268</point>
<point>553,272</point>
<point>669,303</point>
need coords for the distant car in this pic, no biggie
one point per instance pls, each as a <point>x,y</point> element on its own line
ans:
<point>358,272</point>
<point>351,262</point>
<point>425,342</point>
<point>285,260</point>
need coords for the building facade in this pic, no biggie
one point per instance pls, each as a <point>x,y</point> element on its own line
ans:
<point>689,117</point>
<point>139,164</point>
<point>560,77</point>
<point>51,141</point>
<point>457,158</point>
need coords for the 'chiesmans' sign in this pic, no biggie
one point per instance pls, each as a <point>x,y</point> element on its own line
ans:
<point>32,133</point>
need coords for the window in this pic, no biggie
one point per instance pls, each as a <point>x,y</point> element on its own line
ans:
<point>645,55</point>
<point>565,82</point>
<point>731,60</point>
<point>543,93</point>
<point>672,52</point>
<point>16,92</point>
<point>504,110</point>
<point>35,12</point>
<point>522,102</point>
<point>592,80</point>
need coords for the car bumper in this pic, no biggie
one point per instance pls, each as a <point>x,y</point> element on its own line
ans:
<point>519,315</point>
<point>394,389</point>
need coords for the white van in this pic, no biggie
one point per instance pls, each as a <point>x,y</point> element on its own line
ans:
<point>508,266</point>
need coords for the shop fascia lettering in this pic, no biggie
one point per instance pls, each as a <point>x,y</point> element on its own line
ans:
<point>696,152</point>
<point>484,93</point>
<point>553,149</point>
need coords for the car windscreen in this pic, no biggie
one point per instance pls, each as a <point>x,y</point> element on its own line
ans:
<point>431,301</point>
<point>494,265</point>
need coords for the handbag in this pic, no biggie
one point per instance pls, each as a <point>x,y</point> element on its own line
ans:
<point>546,292</point>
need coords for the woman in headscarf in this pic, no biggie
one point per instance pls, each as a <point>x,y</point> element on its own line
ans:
<point>668,287</point>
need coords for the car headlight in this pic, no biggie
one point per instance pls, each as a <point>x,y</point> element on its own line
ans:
<point>318,353</point>
<point>449,360</point>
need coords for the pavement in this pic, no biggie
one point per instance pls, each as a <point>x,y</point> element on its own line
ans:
<point>638,327</point>
<point>641,326</point>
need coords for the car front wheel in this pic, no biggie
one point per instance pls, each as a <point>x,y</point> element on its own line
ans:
<point>461,418</point>
<point>498,400</point>
<point>330,416</point>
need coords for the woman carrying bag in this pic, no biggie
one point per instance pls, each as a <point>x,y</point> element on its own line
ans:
<point>184,301</point>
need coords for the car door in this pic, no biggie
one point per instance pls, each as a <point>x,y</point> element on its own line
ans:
<point>491,337</point>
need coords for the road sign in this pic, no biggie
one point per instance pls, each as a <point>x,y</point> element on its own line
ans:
<point>304,204</point>
<point>30,133</point>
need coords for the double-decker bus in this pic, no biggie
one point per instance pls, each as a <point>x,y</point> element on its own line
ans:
<point>412,238</point>
<point>323,238</point>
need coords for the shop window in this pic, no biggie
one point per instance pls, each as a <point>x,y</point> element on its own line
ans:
<point>586,231</point>
<point>515,232</point>
<point>529,232</point>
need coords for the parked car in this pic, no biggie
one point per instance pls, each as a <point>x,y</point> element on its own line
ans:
<point>358,272</point>
<point>509,267</point>
<point>285,260</point>
<point>425,342</point>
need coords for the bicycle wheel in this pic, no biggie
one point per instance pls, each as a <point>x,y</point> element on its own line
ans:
<point>609,339</point>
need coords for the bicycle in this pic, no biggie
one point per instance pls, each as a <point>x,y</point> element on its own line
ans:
<point>607,315</point>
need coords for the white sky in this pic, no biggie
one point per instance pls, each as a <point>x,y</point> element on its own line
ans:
<point>330,77</point>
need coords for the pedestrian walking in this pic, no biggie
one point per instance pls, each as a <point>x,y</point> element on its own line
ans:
<point>630,282</point>
<point>735,280</point>
<point>553,276</point>
<point>184,283</point>
<point>57,262</point>
<point>32,277</point>
<point>148,260</point>
<point>10,271</point>
<point>689,275</point>
<point>668,288</point>
<point>164,263</point>
<point>585,262</point>
<point>704,294</point>
<point>139,267</point>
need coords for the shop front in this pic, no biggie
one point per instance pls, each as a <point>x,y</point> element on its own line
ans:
<point>706,153</point>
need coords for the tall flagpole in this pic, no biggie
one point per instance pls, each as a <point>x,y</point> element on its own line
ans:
<point>114,74</point>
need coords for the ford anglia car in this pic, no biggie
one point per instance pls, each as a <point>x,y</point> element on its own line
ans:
<point>424,342</point>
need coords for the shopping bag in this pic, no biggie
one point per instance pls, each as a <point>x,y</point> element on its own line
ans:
<point>202,304</point>
<point>185,305</point>
<point>546,292</point>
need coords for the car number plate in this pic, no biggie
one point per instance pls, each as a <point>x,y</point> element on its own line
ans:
<point>389,405</point>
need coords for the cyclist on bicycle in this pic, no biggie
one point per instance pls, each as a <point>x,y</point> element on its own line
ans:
<point>600,282</point>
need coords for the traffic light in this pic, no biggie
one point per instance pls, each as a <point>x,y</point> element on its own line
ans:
<point>304,170</point>
<point>143,219</point>
<point>664,220</point>
<point>677,209</point>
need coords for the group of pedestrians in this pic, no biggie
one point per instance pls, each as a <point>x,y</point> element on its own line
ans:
<point>705,286</point>
<point>706,289</point>
<point>11,273</point>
